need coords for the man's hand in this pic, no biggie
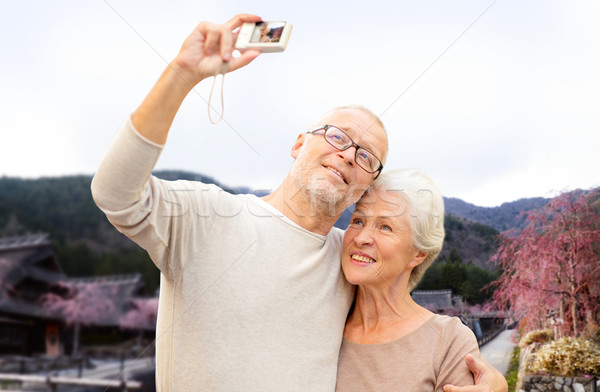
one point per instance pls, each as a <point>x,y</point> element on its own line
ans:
<point>487,378</point>
<point>208,50</point>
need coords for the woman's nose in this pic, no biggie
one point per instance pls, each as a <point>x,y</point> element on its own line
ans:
<point>364,237</point>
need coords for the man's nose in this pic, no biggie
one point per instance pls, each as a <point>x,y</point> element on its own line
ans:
<point>348,155</point>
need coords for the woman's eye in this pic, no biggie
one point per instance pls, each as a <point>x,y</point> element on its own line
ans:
<point>356,221</point>
<point>386,228</point>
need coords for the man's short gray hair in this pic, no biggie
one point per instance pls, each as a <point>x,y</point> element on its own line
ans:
<point>376,120</point>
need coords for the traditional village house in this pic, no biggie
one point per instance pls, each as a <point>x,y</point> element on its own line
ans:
<point>29,269</point>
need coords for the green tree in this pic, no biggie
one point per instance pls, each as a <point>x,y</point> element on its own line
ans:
<point>453,275</point>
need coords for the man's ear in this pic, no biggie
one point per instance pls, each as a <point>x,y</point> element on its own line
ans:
<point>297,145</point>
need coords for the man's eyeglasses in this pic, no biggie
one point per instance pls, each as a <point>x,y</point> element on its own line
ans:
<point>341,141</point>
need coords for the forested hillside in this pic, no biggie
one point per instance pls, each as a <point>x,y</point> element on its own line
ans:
<point>85,241</point>
<point>88,245</point>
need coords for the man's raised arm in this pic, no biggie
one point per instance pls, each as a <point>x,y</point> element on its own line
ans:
<point>122,186</point>
<point>124,172</point>
<point>206,52</point>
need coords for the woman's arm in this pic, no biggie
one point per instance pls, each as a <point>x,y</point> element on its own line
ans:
<point>462,357</point>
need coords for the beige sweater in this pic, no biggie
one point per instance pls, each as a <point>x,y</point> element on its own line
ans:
<point>249,301</point>
<point>422,361</point>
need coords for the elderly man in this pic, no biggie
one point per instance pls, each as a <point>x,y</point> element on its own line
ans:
<point>251,297</point>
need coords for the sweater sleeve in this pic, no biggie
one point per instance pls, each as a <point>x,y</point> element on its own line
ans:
<point>459,341</point>
<point>151,212</point>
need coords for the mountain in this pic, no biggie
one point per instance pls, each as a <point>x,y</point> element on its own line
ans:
<point>470,241</point>
<point>501,218</point>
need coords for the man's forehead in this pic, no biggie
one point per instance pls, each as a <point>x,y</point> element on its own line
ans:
<point>361,126</point>
<point>355,119</point>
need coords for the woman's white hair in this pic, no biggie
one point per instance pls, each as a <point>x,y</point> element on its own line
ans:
<point>426,208</point>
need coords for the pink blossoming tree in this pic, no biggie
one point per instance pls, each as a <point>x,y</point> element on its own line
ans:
<point>80,304</point>
<point>551,269</point>
<point>141,317</point>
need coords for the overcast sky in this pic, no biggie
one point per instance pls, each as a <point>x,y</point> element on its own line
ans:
<point>495,100</point>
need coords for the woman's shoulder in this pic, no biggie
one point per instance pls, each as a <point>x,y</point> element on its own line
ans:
<point>452,327</point>
<point>446,321</point>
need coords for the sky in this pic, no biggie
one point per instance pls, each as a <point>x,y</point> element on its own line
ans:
<point>495,100</point>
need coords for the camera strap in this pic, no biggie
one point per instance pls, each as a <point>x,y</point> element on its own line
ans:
<point>210,99</point>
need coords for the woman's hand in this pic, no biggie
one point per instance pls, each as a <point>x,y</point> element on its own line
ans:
<point>207,51</point>
<point>487,378</point>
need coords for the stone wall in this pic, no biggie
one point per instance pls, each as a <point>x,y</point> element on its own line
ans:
<point>533,383</point>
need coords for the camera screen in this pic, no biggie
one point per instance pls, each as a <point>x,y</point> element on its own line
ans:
<point>267,32</point>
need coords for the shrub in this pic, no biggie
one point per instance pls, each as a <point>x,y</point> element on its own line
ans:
<point>568,357</point>
<point>537,336</point>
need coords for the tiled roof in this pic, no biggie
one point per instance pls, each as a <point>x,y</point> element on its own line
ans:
<point>30,261</point>
<point>23,241</point>
<point>441,299</point>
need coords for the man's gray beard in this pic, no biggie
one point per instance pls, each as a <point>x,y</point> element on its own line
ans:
<point>325,198</point>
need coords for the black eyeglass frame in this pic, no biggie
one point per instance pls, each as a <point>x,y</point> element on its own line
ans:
<point>352,144</point>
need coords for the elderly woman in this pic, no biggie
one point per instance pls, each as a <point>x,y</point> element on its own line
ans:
<point>391,343</point>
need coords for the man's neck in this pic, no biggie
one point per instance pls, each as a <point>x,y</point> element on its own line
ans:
<point>297,206</point>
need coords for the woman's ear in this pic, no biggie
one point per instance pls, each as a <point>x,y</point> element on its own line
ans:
<point>418,259</point>
<point>297,145</point>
